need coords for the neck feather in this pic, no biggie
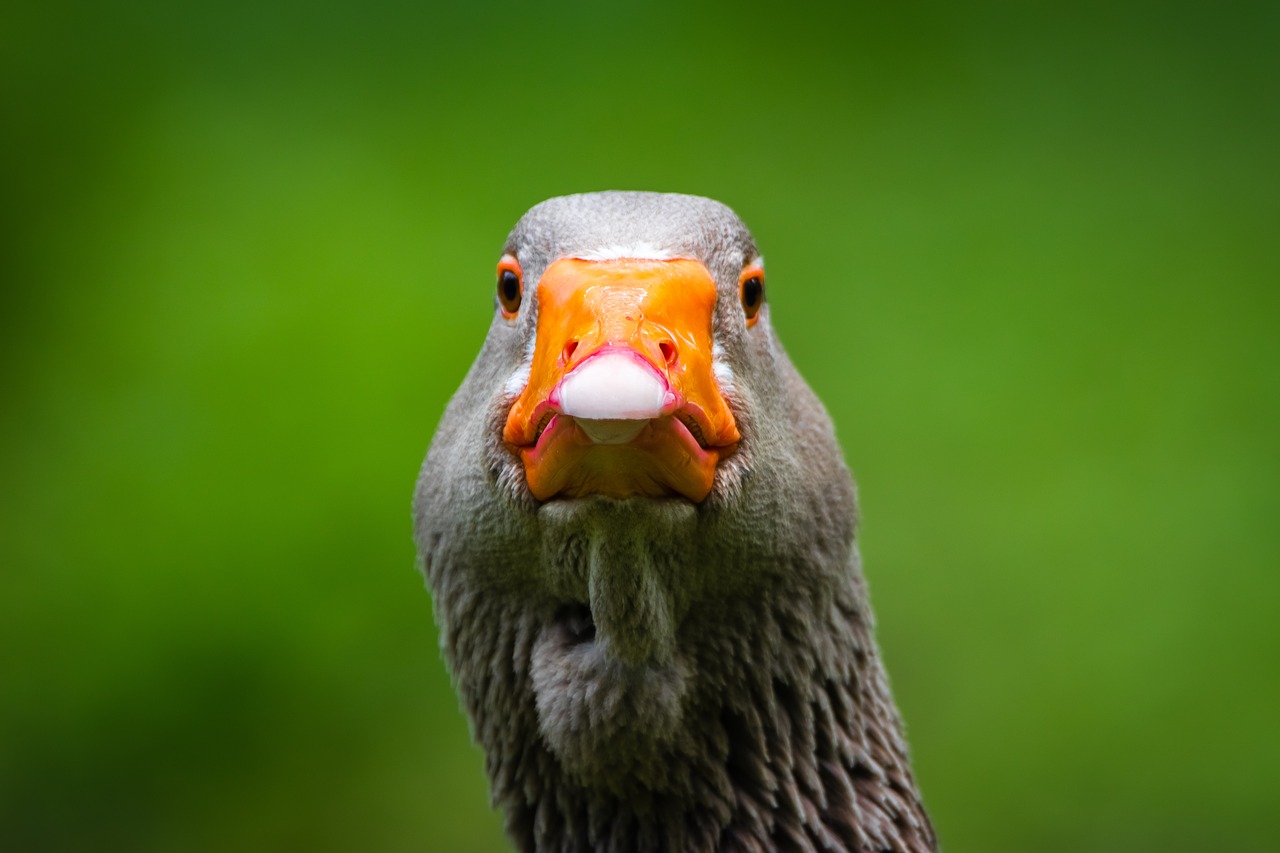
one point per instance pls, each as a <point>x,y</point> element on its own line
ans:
<point>770,727</point>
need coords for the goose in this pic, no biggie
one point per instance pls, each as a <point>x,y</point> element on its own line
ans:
<point>637,530</point>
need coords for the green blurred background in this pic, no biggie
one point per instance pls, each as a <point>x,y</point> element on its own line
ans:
<point>1028,257</point>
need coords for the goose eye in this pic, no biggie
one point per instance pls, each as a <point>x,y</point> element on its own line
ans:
<point>751,285</point>
<point>510,286</point>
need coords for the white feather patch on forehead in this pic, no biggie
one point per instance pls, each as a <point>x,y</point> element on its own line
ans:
<point>643,250</point>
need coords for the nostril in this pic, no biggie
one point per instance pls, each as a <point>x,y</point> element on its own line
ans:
<point>668,352</point>
<point>569,349</point>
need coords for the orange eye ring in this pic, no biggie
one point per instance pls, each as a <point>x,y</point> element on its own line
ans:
<point>751,292</point>
<point>510,286</point>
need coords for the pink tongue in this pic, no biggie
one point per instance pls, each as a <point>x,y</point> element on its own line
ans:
<point>613,396</point>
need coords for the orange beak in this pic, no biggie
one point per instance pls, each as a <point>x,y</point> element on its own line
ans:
<point>622,399</point>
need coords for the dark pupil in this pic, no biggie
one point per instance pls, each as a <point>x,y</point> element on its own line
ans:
<point>751,292</point>
<point>509,285</point>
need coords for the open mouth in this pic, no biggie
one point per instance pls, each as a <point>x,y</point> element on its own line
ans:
<point>615,431</point>
<point>652,458</point>
<point>622,399</point>
<point>612,400</point>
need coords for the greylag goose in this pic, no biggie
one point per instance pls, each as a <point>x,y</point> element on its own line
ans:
<point>638,531</point>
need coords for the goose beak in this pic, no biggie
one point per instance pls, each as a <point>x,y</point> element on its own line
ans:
<point>622,398</point>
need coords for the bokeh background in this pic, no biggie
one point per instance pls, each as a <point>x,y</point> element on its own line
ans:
<point>1027,254</point>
